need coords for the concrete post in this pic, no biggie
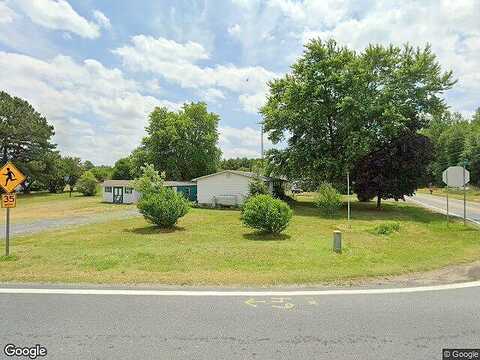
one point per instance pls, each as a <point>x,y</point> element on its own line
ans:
<point>337,241</point>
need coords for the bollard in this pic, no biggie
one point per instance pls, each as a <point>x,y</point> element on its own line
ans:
<point>337,241</point>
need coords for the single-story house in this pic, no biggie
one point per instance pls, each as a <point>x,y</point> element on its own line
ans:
<point>228,187</point>
<point>122,191</point>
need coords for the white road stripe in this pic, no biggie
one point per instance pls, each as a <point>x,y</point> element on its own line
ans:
<point>226,293</point>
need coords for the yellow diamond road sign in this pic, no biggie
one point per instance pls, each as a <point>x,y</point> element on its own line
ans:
<point>10,177</point>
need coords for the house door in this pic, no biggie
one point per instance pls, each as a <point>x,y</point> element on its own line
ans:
<point>118,195</point>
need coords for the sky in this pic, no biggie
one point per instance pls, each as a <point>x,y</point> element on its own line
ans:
<point>96,69</point>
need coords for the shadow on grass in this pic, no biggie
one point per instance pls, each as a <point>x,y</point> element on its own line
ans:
<point>367,211</point>
<point>152,229</point>
<point>257,236</point>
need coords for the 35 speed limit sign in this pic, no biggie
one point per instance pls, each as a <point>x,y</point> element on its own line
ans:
<point>9,201</point>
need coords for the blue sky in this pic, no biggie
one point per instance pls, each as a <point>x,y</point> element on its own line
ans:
<point>96,69</point>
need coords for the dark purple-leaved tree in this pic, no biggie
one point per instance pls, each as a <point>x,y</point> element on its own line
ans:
<point>393,171</point>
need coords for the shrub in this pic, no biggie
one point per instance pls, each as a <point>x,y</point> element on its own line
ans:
<point>386,228</point>
<point>328,199</point>
<point>150,181</point>
<point>267,214</point>
<point>164,207</point>
<point>87,184</point>
<point>257,187</point>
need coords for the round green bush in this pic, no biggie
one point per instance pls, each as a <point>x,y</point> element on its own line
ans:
<point>328,199</point>
<point>164,207</point>
<point>87,184</point>
<point>266,214</point>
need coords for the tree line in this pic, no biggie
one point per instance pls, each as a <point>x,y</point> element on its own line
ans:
<point>456,141</point>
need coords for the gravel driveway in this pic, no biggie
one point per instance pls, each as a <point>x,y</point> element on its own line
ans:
<point>42,225</point>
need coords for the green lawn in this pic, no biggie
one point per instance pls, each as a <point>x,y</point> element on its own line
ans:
<point>473,193</point>
<point>42,205</point>
<point>212,247</point>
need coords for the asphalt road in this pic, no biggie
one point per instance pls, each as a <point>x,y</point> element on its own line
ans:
<point>381,326</point>
<point>439,203</point>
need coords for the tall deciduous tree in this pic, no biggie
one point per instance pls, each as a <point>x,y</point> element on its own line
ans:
<point>182,144</point>
<point>73,171</point>
<point>395,170</point>
<point>24,135</point>
<point>51,172</point>
<point>122,170</point>
<point>338,105</point>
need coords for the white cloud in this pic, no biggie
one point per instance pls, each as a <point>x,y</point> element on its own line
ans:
<point>252,103</point>
<point>211,95</point>
<point>102,20</point>
<point>59,15</point>
<point>234,29</point>
<point>242,142</point>
<point>97,112</point>
<point>147,52</point>
<point>178,63</point>
<point>7,15</point>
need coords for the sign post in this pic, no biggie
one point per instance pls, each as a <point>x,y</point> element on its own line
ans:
<point>10,178</point>
<point>457,176</point>
<point>7,234</point>
<point>348,197</point>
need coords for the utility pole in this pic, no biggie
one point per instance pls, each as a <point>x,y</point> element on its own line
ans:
<point>261,142</point>
<point>447,202</point>
<point>464,194</point>
<point>348,197</point>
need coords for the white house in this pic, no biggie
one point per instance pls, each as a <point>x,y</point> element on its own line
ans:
<point>229,187</point>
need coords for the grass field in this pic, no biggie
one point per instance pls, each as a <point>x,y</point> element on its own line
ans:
<point>40,206</point>
<point>213,247</point>
<point>473,193</point>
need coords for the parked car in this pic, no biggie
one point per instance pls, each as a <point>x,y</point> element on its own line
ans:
<point>296,190</point>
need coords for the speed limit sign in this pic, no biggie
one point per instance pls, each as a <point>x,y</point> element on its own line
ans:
<point>9,201</point>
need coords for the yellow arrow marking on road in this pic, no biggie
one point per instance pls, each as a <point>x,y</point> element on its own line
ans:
<point>253,302</point>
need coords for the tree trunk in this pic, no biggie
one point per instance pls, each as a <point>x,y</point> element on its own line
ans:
<point>379,201</point>
<point>5,155</point>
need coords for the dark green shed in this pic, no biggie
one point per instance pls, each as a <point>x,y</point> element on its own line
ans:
<point>187,188</point>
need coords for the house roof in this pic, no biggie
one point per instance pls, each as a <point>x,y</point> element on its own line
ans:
<point>130,183</point>
<point>237,172</point>
<point>178,183</point>
<point>117,183</point>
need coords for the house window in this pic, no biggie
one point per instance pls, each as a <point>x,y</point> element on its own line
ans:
<point>128,190</point>
<point>108,189</point>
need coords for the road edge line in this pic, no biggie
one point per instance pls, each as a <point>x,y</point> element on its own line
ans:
<point>239,293</point>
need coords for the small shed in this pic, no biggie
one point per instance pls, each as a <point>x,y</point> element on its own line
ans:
<point>228,187</point>
<point>122,191</point>
<point>119,192</point>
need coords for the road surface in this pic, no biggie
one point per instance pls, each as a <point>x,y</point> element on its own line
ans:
<point>439,203</point>
<point>412,326</point>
